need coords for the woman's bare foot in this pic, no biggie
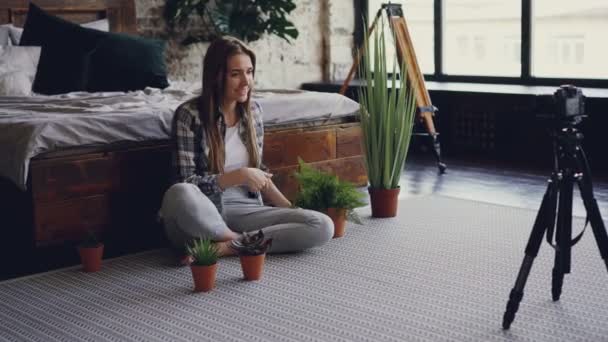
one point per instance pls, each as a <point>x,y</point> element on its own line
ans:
<point>223,246</point>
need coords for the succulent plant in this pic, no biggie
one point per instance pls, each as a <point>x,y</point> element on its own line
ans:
<point>204,252</point>
<point>251,244</point>
<point>90,240</point>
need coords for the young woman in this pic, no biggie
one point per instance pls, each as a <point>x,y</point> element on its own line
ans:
<point>221,185</point>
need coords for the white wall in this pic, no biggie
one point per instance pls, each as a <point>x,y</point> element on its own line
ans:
<point>321,52</point>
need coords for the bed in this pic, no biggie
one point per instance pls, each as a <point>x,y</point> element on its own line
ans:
<point>60,189</point>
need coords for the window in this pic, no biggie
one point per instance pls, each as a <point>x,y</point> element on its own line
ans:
<point>568,38</point>
<point>475,33</point>
<point>419,18</point>
<point>533,42</point>
<point>511,52</point>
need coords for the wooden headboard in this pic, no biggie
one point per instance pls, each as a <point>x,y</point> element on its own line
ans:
<point>120,13</point>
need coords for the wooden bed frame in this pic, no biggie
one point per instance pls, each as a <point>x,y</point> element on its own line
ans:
<point>117,189</point>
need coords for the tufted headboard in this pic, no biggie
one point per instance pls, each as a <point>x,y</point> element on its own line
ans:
<point>120,13</point>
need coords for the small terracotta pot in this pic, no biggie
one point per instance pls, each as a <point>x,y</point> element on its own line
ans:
<point>338,215</point>
<point>384,202</point>
<point>204,277</point>
<point>91,257</point>
<point>253,266</point>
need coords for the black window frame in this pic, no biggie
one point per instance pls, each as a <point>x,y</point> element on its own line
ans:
<point>525,78</point>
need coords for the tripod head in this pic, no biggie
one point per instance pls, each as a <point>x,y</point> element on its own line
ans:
<point>568,137</point>
<point>566,151</point>
<point>569,105</point>
<point>392,10</point>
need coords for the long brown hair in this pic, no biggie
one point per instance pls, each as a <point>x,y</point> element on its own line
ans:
<point>214,79</point>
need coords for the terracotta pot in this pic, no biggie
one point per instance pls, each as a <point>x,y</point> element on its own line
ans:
<point>338,215</point>
<point>384,202</point>
<point>253,266</point>
<point>90,257</point>
<point>204,277</point>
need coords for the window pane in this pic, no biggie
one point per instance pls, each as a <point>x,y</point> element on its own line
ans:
<point>569,38</point>
<point>419,19</point>
<point>482,37</point>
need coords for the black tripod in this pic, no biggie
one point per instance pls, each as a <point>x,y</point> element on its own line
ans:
<point>570,166</point>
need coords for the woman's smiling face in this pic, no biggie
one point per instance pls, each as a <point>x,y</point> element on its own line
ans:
<point>239,78</point>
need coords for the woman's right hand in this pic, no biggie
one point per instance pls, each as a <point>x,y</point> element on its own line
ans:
<point>255,179</point>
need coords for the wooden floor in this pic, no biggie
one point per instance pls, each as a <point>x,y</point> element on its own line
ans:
<point>467,179</point>
<point>484,181</point>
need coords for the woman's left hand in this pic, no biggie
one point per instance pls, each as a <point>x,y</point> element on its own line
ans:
<point>256,179</point>
<point>272,194</point>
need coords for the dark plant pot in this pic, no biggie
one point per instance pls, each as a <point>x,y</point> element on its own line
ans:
<point>91,257</point>
<point>204,277</point>
<point>384,202</point>
<point>253,266</point>
<point>338,215</point>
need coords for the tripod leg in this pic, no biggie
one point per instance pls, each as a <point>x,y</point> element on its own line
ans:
<point>405,52</point>
<point>595,217</point>
<point>426,117</point>
<point>360,51</point>
<point>436,147</point>
<point>543,218</point>
<point>563,234</point>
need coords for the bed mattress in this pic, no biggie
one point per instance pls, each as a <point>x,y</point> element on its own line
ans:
<point>47,125</point>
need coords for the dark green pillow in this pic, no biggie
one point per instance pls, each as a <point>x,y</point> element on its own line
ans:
<point>124,62</point>
<point>66,48</point>
<point>61,70</point>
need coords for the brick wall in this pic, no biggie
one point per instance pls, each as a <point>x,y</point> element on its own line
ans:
<point>322,51</point>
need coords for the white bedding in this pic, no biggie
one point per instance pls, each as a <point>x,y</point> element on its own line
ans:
<point>33,125</point>
<point>286,106</point>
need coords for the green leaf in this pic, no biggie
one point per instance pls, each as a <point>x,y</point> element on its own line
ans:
<point>204,252</point>
<point>247,20</point>
<point>388,110</point>
<point>320,190</point>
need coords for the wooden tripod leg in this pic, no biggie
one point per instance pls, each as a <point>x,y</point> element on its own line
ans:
<point>405,52</point>
<point>360,51</point>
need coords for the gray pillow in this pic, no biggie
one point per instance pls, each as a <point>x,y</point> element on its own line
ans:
<point>18,66</point>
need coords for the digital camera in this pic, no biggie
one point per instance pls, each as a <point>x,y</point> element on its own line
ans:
<point>569,103</point>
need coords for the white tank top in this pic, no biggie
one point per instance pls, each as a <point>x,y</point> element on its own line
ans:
<point>236,152</point>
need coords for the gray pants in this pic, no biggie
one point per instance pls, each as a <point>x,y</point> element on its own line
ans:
<point>188,214</point>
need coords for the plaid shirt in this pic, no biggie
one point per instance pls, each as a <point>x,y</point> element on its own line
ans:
<point>191,155</point>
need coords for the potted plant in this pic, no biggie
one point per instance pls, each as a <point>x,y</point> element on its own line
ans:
<point>251,249</point>
<point>246,20</point>
<point>387,118</point>
<point>91,252</point>
<point>204,264</point>
<point>325,192</point>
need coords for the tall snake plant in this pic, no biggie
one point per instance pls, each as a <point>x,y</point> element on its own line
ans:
<point>387,115</point>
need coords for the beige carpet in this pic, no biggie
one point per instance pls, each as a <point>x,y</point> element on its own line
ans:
<point>441,271</point>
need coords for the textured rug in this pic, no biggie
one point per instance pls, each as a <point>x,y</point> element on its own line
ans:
<point>442,270</point>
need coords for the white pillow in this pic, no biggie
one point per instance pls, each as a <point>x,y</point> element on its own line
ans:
<point>101,25</point>
<point>15,34</point>
<point>18,66</point>
<point>4,35</point>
